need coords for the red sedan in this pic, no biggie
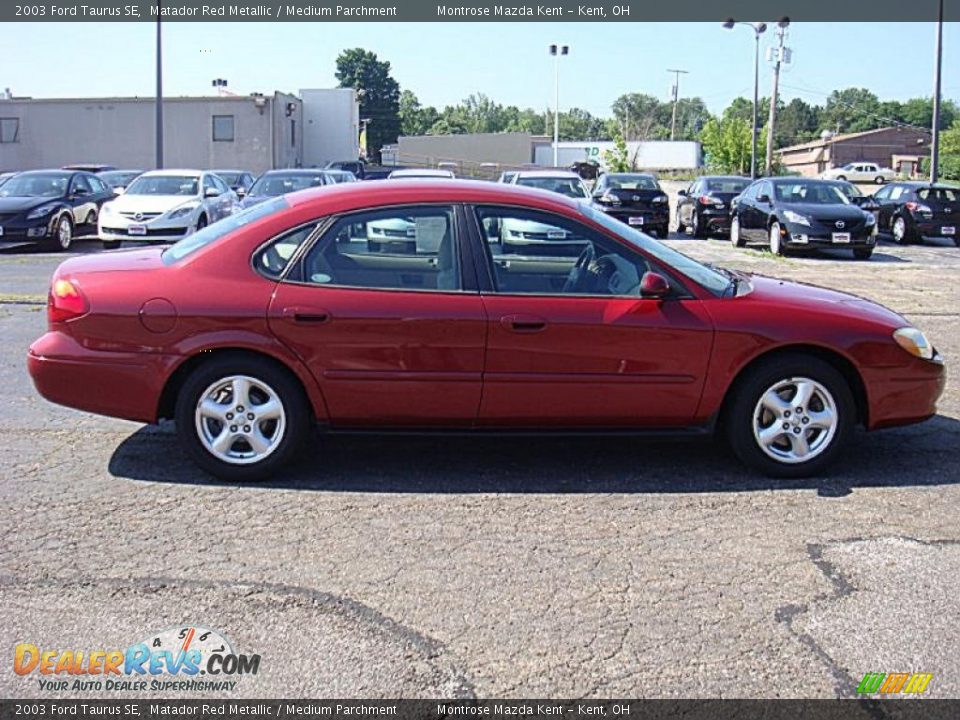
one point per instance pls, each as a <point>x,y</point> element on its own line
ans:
<point>447,305</point>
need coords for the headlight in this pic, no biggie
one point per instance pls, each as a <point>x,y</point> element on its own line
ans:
<point>610,198</point>
<point>41,211</point>
<point>914,342</point>
<point>181,211</point>
<point>659,199</point>
<point>106,209</point>
<point>796,218</point>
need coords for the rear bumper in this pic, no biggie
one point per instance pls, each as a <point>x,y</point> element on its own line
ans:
<point>638,218</point>
<point>123,385</point>
<point>936,228</point>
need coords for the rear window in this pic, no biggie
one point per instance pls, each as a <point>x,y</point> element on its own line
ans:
<point>632,182</point>
<point>571,187</point>
<point>941,194</point>
<point>212,233</point>
<point>726,186</point>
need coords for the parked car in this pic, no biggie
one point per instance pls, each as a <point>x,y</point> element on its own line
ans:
<point>377,172</point>
<point>298,324</point>
<point>357,167</point>
<point>280,182</point>
<point>860,172</point>
<point>563,182</point>
<point>704,207</point>
<point>408,173</point>
<point>507,176</point>
<point>166,205</point>
<point>914,210</point>
<point>89,167</point>
<point>119,179</point>
<point>636,199</point>
<point>47,206</point>
<point>341,176</point>
<point>855,194</point>
<point>240,181</point>
<point>799,214</point>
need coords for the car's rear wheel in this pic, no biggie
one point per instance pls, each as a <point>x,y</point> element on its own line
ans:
<point>863,253</point>
<point>791,416</point>
<point>241,418</point>
<point>695,227</point>
<point>776,240</point>
<point>735,238</point>
<point>879,180</point>
<point>900,231</point>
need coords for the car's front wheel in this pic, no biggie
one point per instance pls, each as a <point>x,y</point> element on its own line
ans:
<point>696,228</point>
<point>241,418</point>
<point>63,233</point>
<point>790,416</point>
<point>863,253</point>
<point>776,239</point>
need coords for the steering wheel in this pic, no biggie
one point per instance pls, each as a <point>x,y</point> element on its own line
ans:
<point>580,268</point>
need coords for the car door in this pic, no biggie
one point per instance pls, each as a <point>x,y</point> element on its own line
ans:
<point>588,354</point>
<point>884,203</point>
<point>81,200</point>
<point>686,204</point>
<point>751,214</point>
<point>394,332</point>
<point>227,198</point>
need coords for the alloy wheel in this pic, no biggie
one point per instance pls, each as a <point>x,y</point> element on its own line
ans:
<point>240,420</point>
<point>64,233</point>
<point>795,420</point>
<point>899,229</point>
<point>775,240</point>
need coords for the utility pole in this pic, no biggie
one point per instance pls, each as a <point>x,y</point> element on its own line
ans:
<point>676,96</point>
<point>935,144</point>
<point>159,101</point>
<point>758,29</point>
<point>779,56</point>
<point>557,51</point>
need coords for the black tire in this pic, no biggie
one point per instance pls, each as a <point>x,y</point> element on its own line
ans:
<point>111,244</point>
<point>879,180</point>
<point>956,241</point>
<point>863,253</point>
<point>697,228</point>
<point>298,420</point>
<point>63,234</point>
<point>201,222</point>
<point>743,399</point>
<point>663,232</point>
<point>736,238</point>
<point>907,235</point>
<point>841,178</point>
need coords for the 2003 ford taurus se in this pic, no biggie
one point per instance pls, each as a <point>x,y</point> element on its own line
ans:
<point>251,330</point>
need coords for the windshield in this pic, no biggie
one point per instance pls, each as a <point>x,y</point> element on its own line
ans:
<point>850,190</point>
<point>230,178</point>
<point>726,185</point>
<point>283,183</point>
<point>164,185</point>
<point>118,178</point>
<point>565,186</point>
<point>44,185</point>
<point>810,193</point>
<point>221,228</point>
<point>715,282</point>
<point>631,182</point>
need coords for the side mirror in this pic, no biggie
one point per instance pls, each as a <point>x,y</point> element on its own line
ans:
<point>654,285</point>
<point>241,192</point>
<point>80,192</point>
<point>869,204</point>
<point>211,192</point>
<point>682,193</point>
<point>763,198</point>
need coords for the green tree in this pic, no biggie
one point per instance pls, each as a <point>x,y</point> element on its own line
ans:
<point>852,110</point>
<point>949,154</point>
<point>414,118</point>
<point>641,117</point>
<point>797,122</point>
<point>726,145</point>
<point>380,100</point>
<point>617,159</point>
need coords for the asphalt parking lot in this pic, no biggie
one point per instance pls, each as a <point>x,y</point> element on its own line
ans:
<point>498,567</point>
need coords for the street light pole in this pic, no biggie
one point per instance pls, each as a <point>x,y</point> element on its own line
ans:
<point>935,144</point>
<point>676,97</point>
<point>159,101</point>
<point>557,51</point>
<point>758,29</point>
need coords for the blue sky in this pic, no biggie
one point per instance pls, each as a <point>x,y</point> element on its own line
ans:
<point>444,62</point>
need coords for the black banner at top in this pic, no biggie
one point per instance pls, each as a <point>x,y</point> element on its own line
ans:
<point>473,10</point>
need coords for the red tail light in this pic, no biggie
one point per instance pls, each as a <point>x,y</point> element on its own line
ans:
<point>704,200</point>
<point>65,301</point>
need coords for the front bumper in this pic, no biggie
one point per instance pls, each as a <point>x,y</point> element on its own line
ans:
<point>804,236</point>
<point>21,231</point>
<point>117,227</point>
<point>118,384</point>
<point>904,396</point>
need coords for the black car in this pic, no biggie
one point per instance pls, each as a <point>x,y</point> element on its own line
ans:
<point>799,214</point>
<point>119,179</point>
<point>240,181</point>
<point>912,210</point>
<point>47,206</point>
<point>635,199</point>
<point>280,182</point>
<point>704,207</point>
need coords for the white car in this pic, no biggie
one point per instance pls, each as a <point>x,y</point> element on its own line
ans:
<point>164,206</point>
<point>407,173</point>
<point>533,238</point>
<point>860,172</point>
<point>558,181</point>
